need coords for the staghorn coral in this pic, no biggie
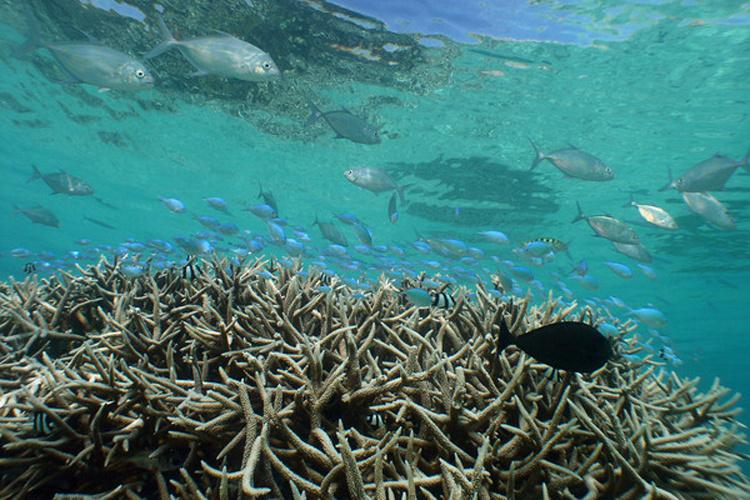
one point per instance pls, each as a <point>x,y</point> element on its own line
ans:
<point>231,384</point>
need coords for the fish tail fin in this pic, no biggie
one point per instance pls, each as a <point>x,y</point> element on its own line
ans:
<point>36,174</point>
<point>580,215</point>
<point>167,43</point>
<point>671,181</point>
<point>400,190</point>
<point>631,202</point>
<point>315,113</point>
<point>260,190</point>
<point>34,40</point>
<point>316,221</point>
<point>540,156</point>
<point>505,338</point>
<point>745,161</point>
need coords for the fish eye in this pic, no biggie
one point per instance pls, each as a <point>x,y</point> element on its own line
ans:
<point>140,73</point>
<point>266,65</point>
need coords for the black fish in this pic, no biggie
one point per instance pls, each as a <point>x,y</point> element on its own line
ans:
<point>569,345</point>
<point>39,215</point>
<point>346,125</point>
<point>42,423</point>
<point>98,222</point>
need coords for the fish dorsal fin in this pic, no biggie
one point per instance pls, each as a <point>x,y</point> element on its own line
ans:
<point>572,146</point>
<point>505,338</point>
<point>223,33</point>
<point>91,38</point>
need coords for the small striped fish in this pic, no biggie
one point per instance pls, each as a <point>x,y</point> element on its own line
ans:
<point>43,423</point>
<point>557,245</point>
<point>374,420</point>
<point>443,300</point>
<point>190,270</point>
<point>422,298</point>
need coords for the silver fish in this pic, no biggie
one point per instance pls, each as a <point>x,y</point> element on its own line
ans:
<point>331,233</point>
<point>374,179</point>
<point>346,125</point>
<point>39,215</point>
<point>654,215</point>
<point>709,175</point>
<point>636,251</point>
<point>63,183</point>
<point>575,163</point>
<point>221,54</point>
<point>711,209</point>
<point>92,62</point>
<point>608,227</point>
<point>393,209</point>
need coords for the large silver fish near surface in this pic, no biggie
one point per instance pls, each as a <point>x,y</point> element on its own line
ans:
<point>608,227</point>
<point>709,175</point>
<point>90,62</point>
<point>575,163</point>
<point>711,209</point>
<point>221,54</point>
<point>374,179</point>
<point>63,183</point>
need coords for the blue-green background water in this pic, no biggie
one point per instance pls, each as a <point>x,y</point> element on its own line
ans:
<point>646,86</point>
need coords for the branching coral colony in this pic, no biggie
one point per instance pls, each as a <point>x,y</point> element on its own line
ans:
<point>234,384</point>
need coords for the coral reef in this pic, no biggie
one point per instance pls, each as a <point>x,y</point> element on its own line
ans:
<point>232,383</point>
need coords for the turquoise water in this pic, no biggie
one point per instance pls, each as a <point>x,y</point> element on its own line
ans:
<point>646,88</point>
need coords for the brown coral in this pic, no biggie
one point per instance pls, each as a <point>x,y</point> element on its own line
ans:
<point>232,384</point>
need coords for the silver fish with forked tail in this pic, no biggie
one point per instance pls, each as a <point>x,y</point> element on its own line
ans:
<point>90,62</point>
<point>221,54</point>
<point>653,214</point>
<point>63,183</point>
<point>346,125</point>
<point>711,209</point>
<point>374,179</point>
<point>575,163</point>
<point>609,227</point>
<point>709,175</point>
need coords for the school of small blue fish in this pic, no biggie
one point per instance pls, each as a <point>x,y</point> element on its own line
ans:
<point>343,245</point>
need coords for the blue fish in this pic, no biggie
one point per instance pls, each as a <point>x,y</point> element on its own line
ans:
<point>363,233</point>
<point>347,218</point>
<point>497,237</point>
<point>620,270</point>
<point>276,232</point>
<point>217,204</point>
<point>173,204</point>
<point>393,209</point>
<point>262,211</point>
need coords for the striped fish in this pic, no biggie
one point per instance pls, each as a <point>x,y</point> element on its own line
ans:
<point>374,420</point>
<point>443,300</point>
<point>190,270</point>
<point>43,423</point>
<point>557,245</point>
